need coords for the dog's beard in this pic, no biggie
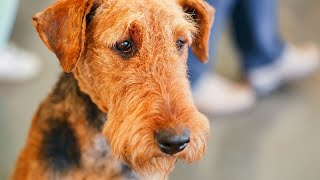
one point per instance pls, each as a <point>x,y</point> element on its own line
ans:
<point>132,139</point>
<point>139,151</point>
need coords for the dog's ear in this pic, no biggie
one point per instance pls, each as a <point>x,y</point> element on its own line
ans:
<point>203,14</point>
<point>62,28</point>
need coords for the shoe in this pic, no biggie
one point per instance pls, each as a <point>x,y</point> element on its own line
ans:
<point>218,96</point>
<point>17,65</point>
<point>294,64</point>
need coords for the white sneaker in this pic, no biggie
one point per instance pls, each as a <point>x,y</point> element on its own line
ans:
<point>216,95</point>
<point>295,63</point>
<point>17,65</point>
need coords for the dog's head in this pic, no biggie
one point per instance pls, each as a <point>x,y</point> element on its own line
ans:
<point>130,58</point>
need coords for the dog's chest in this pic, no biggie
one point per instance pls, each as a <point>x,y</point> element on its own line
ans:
<point>98,158</point>
<point>96,153</point>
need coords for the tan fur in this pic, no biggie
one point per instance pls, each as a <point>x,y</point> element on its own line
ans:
<point>141,95</point>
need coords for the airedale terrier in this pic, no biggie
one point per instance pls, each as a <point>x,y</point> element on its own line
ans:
<point>123,108</point>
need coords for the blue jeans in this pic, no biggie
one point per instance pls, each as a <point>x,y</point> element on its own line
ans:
<point>254,29</point>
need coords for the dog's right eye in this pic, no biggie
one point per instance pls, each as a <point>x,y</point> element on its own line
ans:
<point>125,48</point>
<point>180,44</point>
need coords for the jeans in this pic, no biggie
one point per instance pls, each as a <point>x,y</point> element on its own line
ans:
<point>8,10</point>
<point>254,30</point>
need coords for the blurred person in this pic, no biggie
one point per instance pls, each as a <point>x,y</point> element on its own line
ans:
<point>15,64</point>
<point>267,61</point>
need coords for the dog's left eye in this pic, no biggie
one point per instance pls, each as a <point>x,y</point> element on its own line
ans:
<point>180,44</point>
<point>125,48</point>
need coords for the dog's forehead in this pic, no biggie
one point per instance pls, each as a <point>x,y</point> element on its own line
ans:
<point>145,4</point>
<point>117,17</point>
<point>151,10</point>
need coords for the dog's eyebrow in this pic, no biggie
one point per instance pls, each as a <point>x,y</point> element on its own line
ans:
<point>120,27</point>
<point>185,28</point>
<point>121,24</point>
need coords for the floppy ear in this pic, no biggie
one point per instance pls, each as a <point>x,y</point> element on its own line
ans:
<point>62,28</point>
<point>203,14</point>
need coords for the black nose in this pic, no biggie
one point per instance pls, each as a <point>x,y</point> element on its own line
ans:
<point>172,143</point>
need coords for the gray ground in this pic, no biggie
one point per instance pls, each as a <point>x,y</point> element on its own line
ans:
<point>277,140</point>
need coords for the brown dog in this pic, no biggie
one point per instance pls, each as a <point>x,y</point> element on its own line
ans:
<point>126,60</point>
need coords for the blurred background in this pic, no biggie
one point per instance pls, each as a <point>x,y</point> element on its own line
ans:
<point>278,139</point>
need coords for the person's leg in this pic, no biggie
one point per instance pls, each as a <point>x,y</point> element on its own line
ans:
<point>8,10</point>
<point>267,61</point>
<point>196,68</point>
<point>256,32</point>
<point>214,94</point>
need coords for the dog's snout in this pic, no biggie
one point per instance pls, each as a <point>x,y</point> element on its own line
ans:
<point>170,142</point>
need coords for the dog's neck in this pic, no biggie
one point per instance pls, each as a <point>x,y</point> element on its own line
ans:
<point>75,115</point>
<point>67,89</point>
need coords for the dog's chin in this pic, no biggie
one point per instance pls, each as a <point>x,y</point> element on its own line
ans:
<point>159,166</point>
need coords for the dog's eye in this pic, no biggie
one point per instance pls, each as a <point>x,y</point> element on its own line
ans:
<point>180,44</point>
<point>125,48</point>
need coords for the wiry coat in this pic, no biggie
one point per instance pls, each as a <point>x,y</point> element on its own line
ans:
<point>66,141</point>
<point>141,92</point>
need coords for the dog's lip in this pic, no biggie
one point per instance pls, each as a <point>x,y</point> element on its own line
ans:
<point>161,154</point>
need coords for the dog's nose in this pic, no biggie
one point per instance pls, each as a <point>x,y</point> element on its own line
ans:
<point>172,143</point>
